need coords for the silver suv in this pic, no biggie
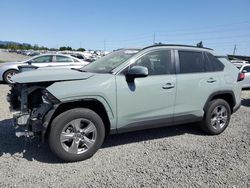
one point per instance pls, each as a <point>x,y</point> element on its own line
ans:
<point>127,90</point>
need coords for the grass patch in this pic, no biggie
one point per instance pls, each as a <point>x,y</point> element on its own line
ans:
<point>2,61</point>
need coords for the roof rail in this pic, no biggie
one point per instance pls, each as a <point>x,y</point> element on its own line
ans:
<point>156,45</point>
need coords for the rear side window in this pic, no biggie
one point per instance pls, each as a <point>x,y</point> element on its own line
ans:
<point>191,62</point>
<point>214,63</point>
<point>63,59</point>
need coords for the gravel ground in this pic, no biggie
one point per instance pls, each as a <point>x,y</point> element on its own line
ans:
<point>179,156</point>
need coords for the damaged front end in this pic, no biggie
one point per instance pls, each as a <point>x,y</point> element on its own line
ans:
<point>30,104</point>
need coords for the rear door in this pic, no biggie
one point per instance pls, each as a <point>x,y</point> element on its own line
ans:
<point>196,80</point>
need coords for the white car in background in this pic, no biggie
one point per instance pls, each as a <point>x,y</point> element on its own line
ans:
<point>238,61</point>
<point>7,70</point>
<point>245,69</point>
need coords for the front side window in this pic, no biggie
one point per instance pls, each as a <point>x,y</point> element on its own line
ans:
<point>64,59</point>
<point>191,62</point>
<point>157,62</point>
<point>42,59</point>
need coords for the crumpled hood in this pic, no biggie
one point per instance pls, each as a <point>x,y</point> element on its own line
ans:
<point>45,75</point>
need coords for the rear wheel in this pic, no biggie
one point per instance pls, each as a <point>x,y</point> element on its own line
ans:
<point>8,75</point>
<point>76,134</point>
<point>217,117</point>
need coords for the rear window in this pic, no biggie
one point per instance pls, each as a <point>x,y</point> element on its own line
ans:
<point>246,68</point>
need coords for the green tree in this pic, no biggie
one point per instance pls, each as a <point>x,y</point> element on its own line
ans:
<point>63,48</point>
<point>81,49</point>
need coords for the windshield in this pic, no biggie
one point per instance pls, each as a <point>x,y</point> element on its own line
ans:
<point>109,62</point>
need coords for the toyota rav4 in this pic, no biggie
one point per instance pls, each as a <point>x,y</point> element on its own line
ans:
<point>127,90</point>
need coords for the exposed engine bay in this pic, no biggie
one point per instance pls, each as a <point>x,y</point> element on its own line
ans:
<point>29,104</point>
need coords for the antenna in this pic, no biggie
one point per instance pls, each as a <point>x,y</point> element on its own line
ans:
<point>234,49</point>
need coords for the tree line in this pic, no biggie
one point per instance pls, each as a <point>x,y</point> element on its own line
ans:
<point>16,46</point>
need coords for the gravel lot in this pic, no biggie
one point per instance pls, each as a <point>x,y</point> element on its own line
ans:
<point>179,156</point>
<point>7,57</point>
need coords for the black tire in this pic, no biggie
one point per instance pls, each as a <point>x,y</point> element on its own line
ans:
<point>62,121</point>
<point>6,75</point>
<point>215,128</point>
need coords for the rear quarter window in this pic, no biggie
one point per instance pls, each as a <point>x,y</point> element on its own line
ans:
<point>214,62</point>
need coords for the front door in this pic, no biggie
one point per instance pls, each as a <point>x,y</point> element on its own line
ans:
<point>147,101</point>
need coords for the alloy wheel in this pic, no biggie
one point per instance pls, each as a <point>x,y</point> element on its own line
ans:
<point>219,117</point>
<point>78,136</point>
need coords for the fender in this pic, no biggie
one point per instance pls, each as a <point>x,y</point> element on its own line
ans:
<point>49,115</point>
<point>214,94</point>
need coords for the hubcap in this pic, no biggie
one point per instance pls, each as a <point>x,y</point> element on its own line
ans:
<point>78,136</point>
<point>9,76</point>
<point>219,117</point>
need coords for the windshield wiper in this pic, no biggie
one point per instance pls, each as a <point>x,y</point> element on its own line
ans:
<point>80,70</point>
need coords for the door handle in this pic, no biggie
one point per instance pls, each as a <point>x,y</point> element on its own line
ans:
<point>168,86</point>
<point>211,80</point>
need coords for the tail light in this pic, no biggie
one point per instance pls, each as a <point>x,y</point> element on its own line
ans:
<point>241,76</point>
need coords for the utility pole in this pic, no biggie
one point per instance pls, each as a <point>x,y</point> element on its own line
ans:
<point>234,49</point>
<point>154,39</point>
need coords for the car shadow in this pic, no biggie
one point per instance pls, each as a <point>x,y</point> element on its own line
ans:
<point>151,134</point>
<point>18,148</point>
<point>245,102</point>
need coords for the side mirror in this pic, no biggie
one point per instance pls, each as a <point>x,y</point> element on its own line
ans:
<point>29,62</point>
<point>244,71</point>
<point>136,72</point>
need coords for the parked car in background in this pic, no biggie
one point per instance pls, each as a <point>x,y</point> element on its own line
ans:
<point>245,70</point>
<point>239,61</point>
<point>127,90</point>
<point>7,70</point>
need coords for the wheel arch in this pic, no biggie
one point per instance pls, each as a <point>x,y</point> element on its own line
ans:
<point>90,103</point>
<point>226,95</point>
<point>15,69</point>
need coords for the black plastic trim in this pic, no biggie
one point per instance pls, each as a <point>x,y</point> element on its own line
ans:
<point>219,93</point>
<point>157,123</point>
<point>236,107</point>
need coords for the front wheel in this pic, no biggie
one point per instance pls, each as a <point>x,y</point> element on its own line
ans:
<point>8,76</point>
<point>76,134</point>
<point>217,117</point>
